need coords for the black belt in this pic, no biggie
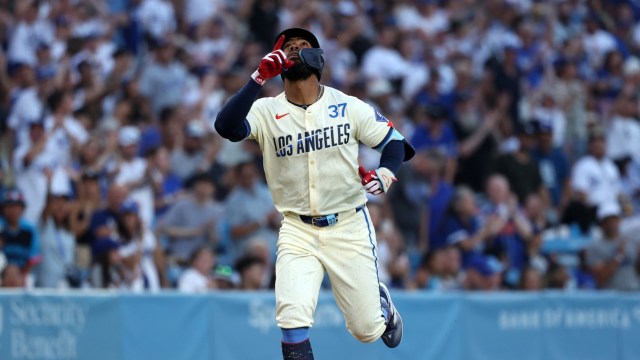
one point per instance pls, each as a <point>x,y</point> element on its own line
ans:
<point>324,220</point>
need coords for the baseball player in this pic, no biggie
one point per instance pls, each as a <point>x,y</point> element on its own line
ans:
<point>309,139</point>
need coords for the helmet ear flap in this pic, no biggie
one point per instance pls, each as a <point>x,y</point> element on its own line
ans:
<point>312,58</point>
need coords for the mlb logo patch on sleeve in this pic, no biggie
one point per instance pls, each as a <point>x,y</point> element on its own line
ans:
<point>380,117</point>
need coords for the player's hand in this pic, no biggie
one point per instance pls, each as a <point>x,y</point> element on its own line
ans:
<point>377,181</point>
<point>272,64</point>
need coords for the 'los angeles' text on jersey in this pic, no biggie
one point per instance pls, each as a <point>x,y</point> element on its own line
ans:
<point>314,140</point>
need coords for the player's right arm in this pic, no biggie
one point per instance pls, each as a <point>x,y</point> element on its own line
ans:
<point>231,122</point>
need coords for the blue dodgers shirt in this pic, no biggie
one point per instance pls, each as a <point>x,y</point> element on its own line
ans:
<point>22,245</point>
<point>454,232</point>
<point>554,171</point>
<point>438,203</point>
<point>446,142</point>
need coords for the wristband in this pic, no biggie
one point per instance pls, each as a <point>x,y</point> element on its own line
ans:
<point>258,78</point>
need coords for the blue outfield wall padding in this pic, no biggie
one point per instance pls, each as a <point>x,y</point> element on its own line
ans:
<point>236,325</point>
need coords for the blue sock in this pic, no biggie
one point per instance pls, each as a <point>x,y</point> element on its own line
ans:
<point>292,336</point>
<point>385,313</point>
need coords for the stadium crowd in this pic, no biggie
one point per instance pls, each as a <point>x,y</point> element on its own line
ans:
<point>524,115</point>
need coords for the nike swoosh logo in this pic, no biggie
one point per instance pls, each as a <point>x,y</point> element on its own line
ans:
<point>278,116</point>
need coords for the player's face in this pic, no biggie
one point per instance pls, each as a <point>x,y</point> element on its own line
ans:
<point>293,46</point>
<point>298,71</point>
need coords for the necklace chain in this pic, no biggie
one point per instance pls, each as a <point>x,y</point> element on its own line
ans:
<point>306,106</point>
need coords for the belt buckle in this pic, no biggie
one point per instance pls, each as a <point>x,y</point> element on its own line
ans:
<point>313,220</point>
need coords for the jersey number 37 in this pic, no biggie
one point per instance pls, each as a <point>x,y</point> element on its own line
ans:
<point>335,110</point>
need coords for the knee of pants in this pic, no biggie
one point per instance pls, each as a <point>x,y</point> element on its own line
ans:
<point>294,316</point>
<point>367,331</point>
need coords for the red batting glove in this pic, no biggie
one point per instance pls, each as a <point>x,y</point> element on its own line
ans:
<point>377,181</point>
<point>272,64</point>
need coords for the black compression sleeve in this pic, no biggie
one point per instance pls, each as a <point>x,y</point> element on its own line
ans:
<point>392,155</point>
<point>231,120</point>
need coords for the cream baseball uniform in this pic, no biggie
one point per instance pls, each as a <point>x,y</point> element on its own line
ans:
<point>310,161</point>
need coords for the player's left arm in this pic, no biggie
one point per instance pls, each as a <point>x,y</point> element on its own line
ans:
<point>376,131</point>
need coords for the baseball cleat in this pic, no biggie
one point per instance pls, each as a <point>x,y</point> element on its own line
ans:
<point>393,333</point>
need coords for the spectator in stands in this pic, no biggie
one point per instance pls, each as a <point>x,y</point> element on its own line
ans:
<point>251,270</point>
<point>508,78</point>
<point>623,135</point>
<point>509,245</point>
<point>223,277</point>
<point>461,226</point>
<point>12,277</point>
<point>614,258</point>
<point>197,278</point>
<point>434,131</point>
<point>167,187</point>
<point>610,77</point>
<point>629,168</point>
<point>92,157</point>
<point>548,112</point>
<point>192,221</point>
<point>570,92</point>
<point>88,200</point>
<point>164,80</point>
<point>430,271</point>
<point>408,202</point>
<point>452,276</point>
<point>103,234</point>
<point>52,144</point>
<point>58,244</point>
<point>250,210</point>
<point>195,155</point>
<point>20,237</point>
<point>260,248</point>
<point>138,250</point>
<point>595,180</point>
<point>484,274</point>
<point>383,60</point>
<point>440,193</point>
<point>477,144</point>
<point>30,30</point>
<point>535,212</point>
<point>69,133</point>
<point>531,279</point>
<point>597,42</point>
<point>131,171</point>
<point>34,162</point>
<point>88,90</point>
<point>27,104</point>
<point>557,277</point>
<point>169,126</point>
<point>520,169</point>
<point>553,164</point>
<point>103,220</point>
<point>582,275</point>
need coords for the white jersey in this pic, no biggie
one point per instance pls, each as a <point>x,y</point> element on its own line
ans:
<point>311,156</point>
